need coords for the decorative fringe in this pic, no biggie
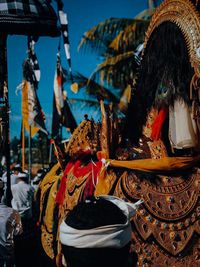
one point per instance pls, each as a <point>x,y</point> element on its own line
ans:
<point>195,97</point>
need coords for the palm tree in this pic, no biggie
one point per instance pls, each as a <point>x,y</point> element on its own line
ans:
<point>118,42</point>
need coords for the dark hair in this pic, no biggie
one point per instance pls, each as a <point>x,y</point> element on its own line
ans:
<point>92,213</point>
<point>18,169</point>
<point>165,60</point>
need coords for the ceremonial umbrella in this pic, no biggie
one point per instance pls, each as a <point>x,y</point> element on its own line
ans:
<point>21,17</point>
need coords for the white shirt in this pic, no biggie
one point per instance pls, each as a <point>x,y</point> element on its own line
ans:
<point>13,178</point>
<point>22,198</point>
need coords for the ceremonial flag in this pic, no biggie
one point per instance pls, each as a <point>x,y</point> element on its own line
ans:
<point>32,113</point>
<point>65,34</point>
<point>33,58</point>
<point>62,115</point>
<point>64,30</point>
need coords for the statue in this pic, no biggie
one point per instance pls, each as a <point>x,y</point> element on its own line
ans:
<point>156,155</point>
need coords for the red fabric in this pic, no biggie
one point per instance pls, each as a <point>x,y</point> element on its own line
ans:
<point>158,123</point>
<point>79,170</point>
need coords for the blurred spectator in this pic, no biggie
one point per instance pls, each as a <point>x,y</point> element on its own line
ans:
<point>22,196</point>
<point>10,226</point>
<point>13,179</point>
<point>14,175</point>
<point>25,245</point>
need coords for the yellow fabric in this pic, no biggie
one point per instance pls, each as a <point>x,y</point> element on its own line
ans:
<point>51,203</point>
<point>50,177</point>
<point>105,183</point>
<point>47,226</point>
<point>25,110</point>
<point>49,181</point>
<point>165,164</point>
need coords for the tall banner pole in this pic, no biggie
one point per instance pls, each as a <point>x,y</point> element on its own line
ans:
<point>50,151</point>
<point>5,102</point>
<point>29,155</point>
<point>23,146</point>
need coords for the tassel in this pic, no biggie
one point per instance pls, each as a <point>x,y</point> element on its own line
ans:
<point>158,123</point>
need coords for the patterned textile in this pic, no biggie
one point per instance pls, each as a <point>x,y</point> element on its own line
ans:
<point>10,225</point>
<point>33,58</point>
<point>64,30</point>
<point>33,17</point>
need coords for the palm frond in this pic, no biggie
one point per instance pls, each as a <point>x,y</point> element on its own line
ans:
<point>100,36</point>
<point>93,88</point>
<point>117,71</point>
<point>84,102</point>
<point>130,37</point>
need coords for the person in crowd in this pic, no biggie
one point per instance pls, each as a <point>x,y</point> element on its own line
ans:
<point>23,194</point>
<point>13,179</point>
<point>97,233</point>
<point>14,175</point>
<point>10,226</point>
<point>25,245</point>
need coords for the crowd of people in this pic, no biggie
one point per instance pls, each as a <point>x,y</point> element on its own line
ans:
<point>95,233</point>
<point>17,223</point>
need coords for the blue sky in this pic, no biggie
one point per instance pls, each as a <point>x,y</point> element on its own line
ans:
<point>82,16</point>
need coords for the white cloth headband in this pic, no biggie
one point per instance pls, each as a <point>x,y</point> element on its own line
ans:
<point>115,236</point>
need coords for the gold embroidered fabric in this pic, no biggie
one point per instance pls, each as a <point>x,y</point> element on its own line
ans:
<point>48,187</point>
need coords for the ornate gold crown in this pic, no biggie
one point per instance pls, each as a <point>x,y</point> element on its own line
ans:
<point>186,16</point>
